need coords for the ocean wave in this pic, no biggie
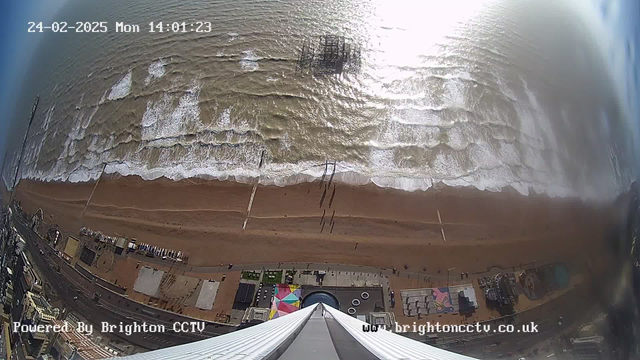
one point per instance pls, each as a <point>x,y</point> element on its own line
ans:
<point>122,88</point>
<point>479,165</point>
<point>156,70</point>
<point>175,144</point>
<point>494,179</point>
<point>162,120</point>
<point>248,65</point>
<point>250,55</point>
<point>250,60</point>
<point>274,95</point>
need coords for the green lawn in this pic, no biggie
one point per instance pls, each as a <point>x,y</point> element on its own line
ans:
<point>272,277</point>
<point>251,275</point>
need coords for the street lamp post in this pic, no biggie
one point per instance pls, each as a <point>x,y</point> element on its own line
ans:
<point>24,143</point>
<point>448,271</point>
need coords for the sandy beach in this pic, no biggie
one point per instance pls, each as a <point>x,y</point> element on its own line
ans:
<point>371,225</point>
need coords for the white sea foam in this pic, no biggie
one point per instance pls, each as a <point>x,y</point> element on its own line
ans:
<point>291,174</point>
<point>163,120</point>
<point>248,65</point>
<point>251,55</point>
<point>249,61</point>
<point>470,161</point>
<point>225,118</point>
<point>167,119</point>
<point>382,171</point>
<point>122,88</point>
<point>156,71</point>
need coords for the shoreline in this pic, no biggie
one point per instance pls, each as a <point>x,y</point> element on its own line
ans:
<point>293,174</point>
<point>371,226</point>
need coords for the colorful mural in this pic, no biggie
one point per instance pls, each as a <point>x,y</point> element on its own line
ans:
<point>286,299</point>
<point>442,300</point>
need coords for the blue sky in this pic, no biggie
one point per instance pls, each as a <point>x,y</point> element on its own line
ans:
<point>18,47</point>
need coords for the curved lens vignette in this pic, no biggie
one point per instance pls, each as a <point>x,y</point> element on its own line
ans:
<point>330,179</point>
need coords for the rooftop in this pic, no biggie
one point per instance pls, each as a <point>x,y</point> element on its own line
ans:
<point>85,347</point>
<point>315,332</point>
<point>41,303</point>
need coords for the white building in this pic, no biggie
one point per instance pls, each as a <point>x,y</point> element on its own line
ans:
<point>309,334</point>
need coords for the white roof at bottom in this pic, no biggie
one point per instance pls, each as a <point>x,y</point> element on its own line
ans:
<point>255,342</point>
<point>260,341</point>
<point>387,345</point>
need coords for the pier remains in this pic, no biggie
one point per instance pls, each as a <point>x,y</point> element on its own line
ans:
<point>329,55</point>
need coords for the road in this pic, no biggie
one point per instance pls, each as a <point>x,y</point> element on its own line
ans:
<point>108,306</point>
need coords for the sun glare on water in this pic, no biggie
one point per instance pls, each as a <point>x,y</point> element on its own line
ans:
<point>405,34</point>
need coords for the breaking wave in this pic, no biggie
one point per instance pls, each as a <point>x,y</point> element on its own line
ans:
<point>122,88</point>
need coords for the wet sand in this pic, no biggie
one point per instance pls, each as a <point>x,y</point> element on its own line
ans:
<point>371,226</point>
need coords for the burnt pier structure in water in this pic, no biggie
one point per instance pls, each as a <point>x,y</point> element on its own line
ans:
<point>329,55</point>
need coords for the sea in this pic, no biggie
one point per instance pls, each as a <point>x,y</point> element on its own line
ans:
<point>490,94</point>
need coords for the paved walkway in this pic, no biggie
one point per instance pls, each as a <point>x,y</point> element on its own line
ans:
<point>314,341</point>
<point>224,268</point>
<point>383,272</point>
